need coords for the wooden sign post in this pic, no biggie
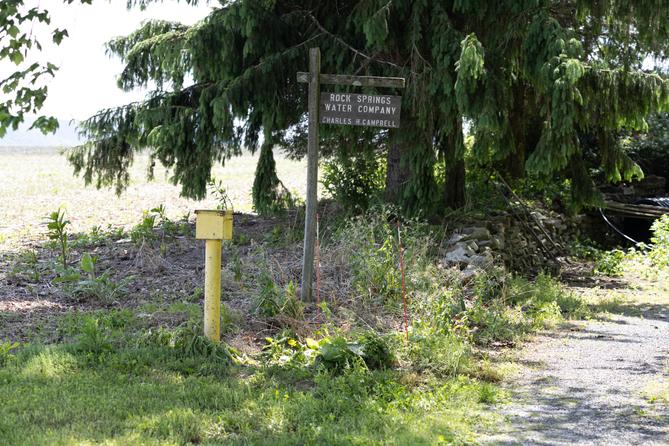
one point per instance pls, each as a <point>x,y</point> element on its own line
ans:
<point>343,109</point>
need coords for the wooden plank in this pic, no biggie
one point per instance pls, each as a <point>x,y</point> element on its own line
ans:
<point>356,81</point>
<point>636,210</point>
<point>360,109</point>
<point>312,175</point>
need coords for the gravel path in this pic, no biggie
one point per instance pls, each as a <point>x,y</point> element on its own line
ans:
<point>583,385</point>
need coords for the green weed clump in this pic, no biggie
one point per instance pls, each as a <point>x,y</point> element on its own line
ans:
<point>606,262</point>
<point>86,283</point>
<point>156,226</point>
<point>6,352</point>
<point>659,250</point>
<point>272,301</point>
<point>371,242</point>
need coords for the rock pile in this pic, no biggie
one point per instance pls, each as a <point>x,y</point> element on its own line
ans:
<point>513,238</point>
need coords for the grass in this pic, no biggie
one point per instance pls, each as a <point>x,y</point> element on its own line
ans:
<point>144,395</point>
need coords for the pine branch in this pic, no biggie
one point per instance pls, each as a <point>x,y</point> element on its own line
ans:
<point>342,42</point>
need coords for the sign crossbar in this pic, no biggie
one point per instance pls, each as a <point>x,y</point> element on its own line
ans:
<point>356,81</point>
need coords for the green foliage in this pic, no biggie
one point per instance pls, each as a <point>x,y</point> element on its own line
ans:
<point>505,308</point>
<point>531,79</point>
<point>285,351</point>
<point>650,149</point>
<point>86,283</point>
<point>220,194</point>
<point>373,253</point>
<point>438,352</point>
<point>57,233</point>
<point>157,227</point>
<point>145,399</point>
<point>659,250</point>
<point>25,89</point>
<point>354,180</point>
<point>610,263</point>
<point>6,349</point>
<point>272,301</point>
<point>145,230</point>
<point>94,339</point>
<point>270,197</point>
<point>376,352</point>
<point>27,267</point>
<point>606,262</point>
<point>97,236</point>
<point>187,344</point>
<point>337,355</point>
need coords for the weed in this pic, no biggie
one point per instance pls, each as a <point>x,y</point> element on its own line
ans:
<point>272,301</point>
<point>237,266</point>
<point>86,283</point>
<point>186,341</point>
<point>197,295</point>
<point>659,250</point>
<point>27,267</point>
<point>436,351</point>
<point>371,246</point>
<point>144,231</point>
<point>93,339</point>
<point>97,236</point>
<point>241,239</point>
<point>57,232</point>
<point>375,351</point>
<point>607,263</point>
<point>285,351</point>
<point>610,263</point>
<point>337,354</point>
<point>291,306</point>
<point>6,354</point>
<point>268,297</point>
<point>221,195</point>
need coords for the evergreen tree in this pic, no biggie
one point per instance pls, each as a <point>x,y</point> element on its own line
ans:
<point>530,76</point>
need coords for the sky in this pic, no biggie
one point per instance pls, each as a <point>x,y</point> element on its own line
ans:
<point>86,80</point>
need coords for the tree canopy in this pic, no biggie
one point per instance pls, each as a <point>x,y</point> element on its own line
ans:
<point>529,76</point>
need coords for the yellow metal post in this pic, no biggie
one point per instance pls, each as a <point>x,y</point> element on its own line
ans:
<point>213,226</point>
<point>212,290</point>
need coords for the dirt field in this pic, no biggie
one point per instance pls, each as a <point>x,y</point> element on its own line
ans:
<point>36,182</point>
<point>159,273</point>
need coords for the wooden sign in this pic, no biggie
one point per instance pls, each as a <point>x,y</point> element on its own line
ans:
<point>338,108</point>
<point>360,109</point>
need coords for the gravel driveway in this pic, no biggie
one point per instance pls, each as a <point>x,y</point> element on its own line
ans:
<point>582,385</point>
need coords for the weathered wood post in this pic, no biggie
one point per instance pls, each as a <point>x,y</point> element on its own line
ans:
<point>342,109</point>
<point>312,174</point>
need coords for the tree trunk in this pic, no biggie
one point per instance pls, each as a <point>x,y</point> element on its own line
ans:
<point>397,174</point>
<point>454,187</point>
<point>514,164</point>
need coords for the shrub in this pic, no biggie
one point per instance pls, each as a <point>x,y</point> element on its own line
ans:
<point>610,263</point>
<point>659,250</point>
<point>375,351</point>
<point>354,180</point>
